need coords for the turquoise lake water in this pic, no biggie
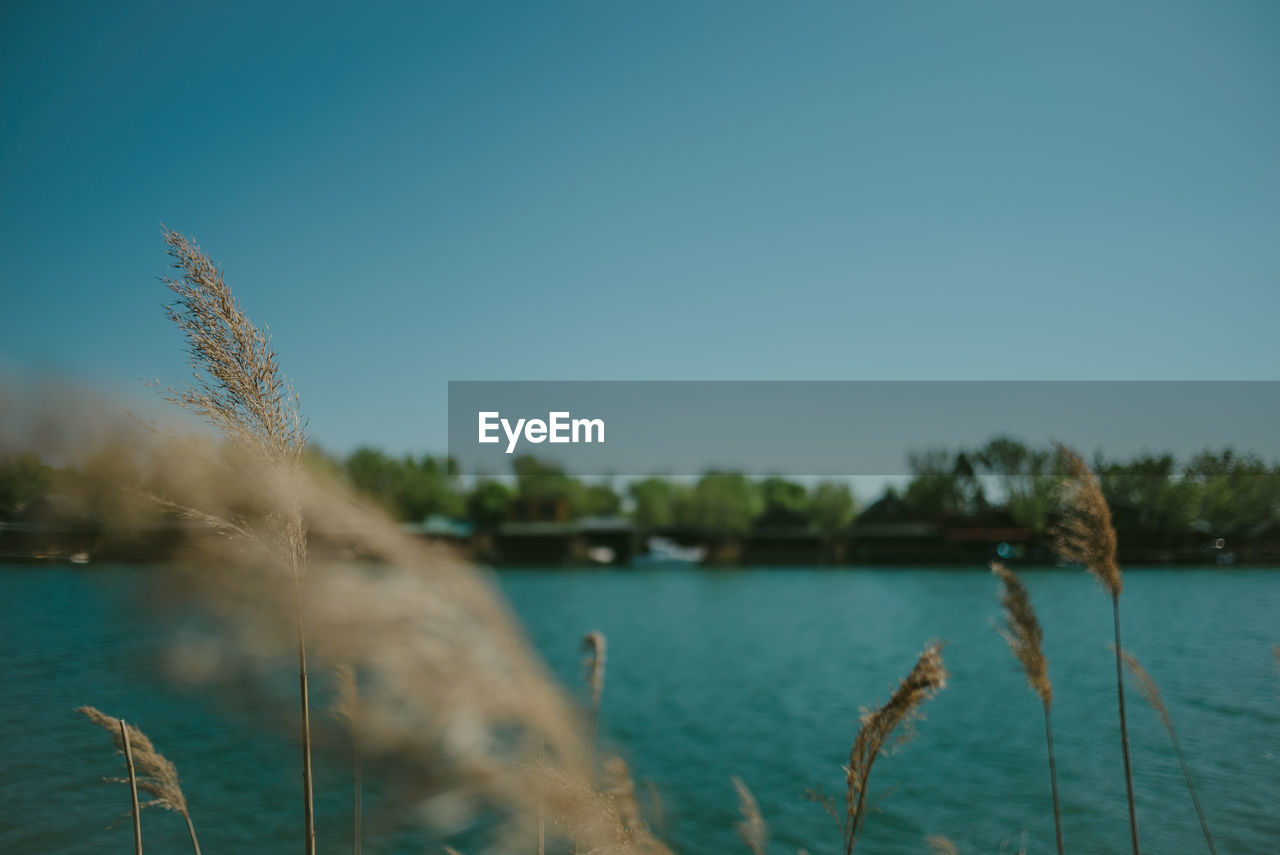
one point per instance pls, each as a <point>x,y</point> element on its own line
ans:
<point>758,673</point>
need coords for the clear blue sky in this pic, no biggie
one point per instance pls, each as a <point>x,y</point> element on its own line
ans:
<point>417,193</point>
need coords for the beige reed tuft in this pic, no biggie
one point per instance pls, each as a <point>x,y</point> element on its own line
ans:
<point>238,386</point>
<point>156,776</point>
<point>1151,693</point>
<point>752,829</point>
<point>1022,631</point>
<point>926,679</point>
<point>1085,535</point>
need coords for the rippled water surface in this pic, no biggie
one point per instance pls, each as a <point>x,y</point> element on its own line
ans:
<point>756,673</point>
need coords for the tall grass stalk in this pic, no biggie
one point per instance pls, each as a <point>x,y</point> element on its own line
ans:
<point>239,388</point>
<point>1086,536</point>
<point>149,771</point>
<point>927,678</point>
<point>1022,631</point>
<point>133,788</point>
<point>753,830</point>
<point>1151,692</point>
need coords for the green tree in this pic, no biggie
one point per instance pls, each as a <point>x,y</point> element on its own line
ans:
<point>1234,492</point>
<point>656,502</point>
<point>1026,476</point>
<point>594,500</point>
<point>785,503</point>
<point>1150,504</point>
<point>831,507</point>
<point>23,479</point>
<point>487,503</point>
<point>942,485</point>
<point>725,503</point>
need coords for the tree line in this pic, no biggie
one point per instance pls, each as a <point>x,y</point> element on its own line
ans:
<point>1155,498</point>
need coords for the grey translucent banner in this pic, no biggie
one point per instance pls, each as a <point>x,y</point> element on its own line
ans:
<point>840,428</point>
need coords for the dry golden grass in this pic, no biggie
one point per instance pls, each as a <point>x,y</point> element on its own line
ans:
<point>752,829</point>
<point>1151,693</point>
<point>1085,534</point>
<point>238,387</point>
<point>1022,631</point>
<point>155,775</point>
<point>926,679</point>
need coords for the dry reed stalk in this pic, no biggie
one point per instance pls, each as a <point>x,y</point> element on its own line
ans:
<point>239,388</point>
<point>347,710</point>
<point>926,679</point>
<point>1086,536</point>
<point>1151,693</point>
<point>456,706</point>
<point>133,788</point>
<point>158,778</point>
<point>1022,631</point>
<point>752,829</point>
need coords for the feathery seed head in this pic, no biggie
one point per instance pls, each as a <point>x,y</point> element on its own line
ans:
<point>1022,631</point>
<point>1085,534</point>
<point>156,775</point>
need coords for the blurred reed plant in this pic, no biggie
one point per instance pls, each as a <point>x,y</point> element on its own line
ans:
<point>237,386</point>
<point>1086,536</point>
<point>1021,629</point>
<point>752,829</point>
<point>1151,693</point>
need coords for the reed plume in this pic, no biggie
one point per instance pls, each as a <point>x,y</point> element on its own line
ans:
<point>238,387</point>
<point>1151,693</point>
<point>1022,631</point>
<point>752,829</point>
<point>154,774</point>
<point>346,709</point>
<point>926,679</point>
<point>1086,536</point>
